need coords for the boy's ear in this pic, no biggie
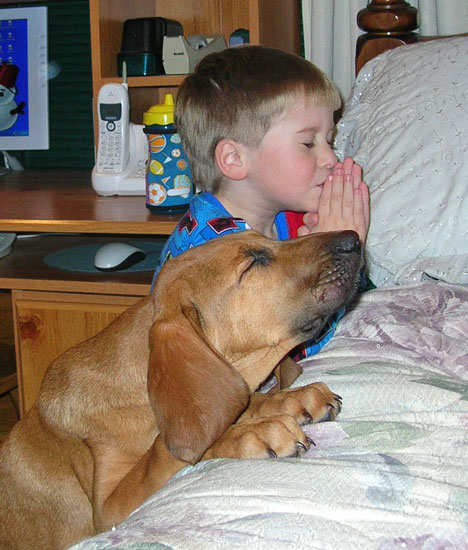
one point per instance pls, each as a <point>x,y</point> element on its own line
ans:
<point>231,159</point>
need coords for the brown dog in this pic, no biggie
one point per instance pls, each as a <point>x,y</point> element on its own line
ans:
<point>171,382</point>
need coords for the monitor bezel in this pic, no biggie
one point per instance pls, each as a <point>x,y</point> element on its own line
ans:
<point>38,94</point>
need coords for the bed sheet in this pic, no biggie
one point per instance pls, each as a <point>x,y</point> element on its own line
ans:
<point>390,473</point>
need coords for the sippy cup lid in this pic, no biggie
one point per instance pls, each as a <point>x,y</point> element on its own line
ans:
<point>162,114</point>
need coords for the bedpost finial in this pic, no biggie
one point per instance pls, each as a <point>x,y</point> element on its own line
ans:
<point>388,17</point>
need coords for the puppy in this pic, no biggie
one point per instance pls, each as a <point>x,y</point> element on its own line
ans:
<point>171,382</point>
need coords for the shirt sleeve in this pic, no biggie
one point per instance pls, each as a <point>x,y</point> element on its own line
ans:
<point>294,221</point>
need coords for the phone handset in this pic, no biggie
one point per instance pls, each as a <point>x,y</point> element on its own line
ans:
<point>113,140</point>
<point>122,146</point>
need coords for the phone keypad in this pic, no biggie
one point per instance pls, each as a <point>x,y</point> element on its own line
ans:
<point>110,154</point>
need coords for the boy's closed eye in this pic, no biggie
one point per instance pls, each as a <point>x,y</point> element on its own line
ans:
<point>311,140</point>
<point>311,144</point>
<point>308,139</point>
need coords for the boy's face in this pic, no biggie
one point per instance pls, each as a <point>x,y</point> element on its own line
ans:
<point>294,157</point>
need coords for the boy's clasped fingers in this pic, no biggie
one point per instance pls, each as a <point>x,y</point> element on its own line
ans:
<point>361,210</point>
<point>337,201</point>
<point>355,170</point>
<point>359,215</point>
<point>325,199</point>
<point>344,203</point>
<point>348,203</point>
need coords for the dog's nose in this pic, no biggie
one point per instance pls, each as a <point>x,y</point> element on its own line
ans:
<point>347,243</point>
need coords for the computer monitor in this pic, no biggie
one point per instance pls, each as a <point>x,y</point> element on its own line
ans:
<point>24,104</point>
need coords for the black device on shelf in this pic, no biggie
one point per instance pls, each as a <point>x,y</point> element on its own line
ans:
<point>142,41</point>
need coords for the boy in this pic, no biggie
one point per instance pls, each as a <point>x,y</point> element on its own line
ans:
<point>256,124</point>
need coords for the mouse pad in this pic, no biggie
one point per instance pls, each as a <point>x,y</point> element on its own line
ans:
<point>81,257</point>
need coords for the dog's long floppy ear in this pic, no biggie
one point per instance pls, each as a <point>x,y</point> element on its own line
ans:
<point>195,393</point>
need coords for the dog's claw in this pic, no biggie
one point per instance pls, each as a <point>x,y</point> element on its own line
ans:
<point>310,441</point>
<point>272,453</point>
<point>338,397</point>
<point>308,418</point>
<point>301,448</point>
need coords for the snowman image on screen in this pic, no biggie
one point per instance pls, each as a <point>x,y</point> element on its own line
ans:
<point>9,109</point>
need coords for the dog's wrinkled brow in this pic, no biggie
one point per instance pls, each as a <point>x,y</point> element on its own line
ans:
<point>260,256</point>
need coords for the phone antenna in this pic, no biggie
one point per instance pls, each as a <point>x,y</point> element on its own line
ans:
<point>124,74</point>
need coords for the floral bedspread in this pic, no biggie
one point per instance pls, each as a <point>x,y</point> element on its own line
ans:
<point>391,473</point>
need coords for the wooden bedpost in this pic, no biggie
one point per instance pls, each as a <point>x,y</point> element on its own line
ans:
<point>388,24</point>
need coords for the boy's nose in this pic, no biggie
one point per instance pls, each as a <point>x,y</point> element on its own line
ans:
<point>329,159</point>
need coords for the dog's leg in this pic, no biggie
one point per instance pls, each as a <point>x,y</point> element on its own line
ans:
<point>113,500</point>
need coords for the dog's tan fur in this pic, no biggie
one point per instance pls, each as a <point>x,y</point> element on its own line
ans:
<point>170,382</point>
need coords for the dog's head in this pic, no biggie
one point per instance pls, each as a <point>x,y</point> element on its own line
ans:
<point>227,312</point>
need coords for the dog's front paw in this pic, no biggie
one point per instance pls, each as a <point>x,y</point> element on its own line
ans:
<point>308,404</point>
<point>277,436</point>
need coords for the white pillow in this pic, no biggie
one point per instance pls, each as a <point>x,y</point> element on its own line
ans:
<point>406,123</point>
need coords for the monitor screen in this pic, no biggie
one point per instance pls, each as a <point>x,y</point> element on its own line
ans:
<point>24,106</point>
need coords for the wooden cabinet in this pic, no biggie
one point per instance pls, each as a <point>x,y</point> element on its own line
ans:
<point>48,323</point>
<point>272,23</point>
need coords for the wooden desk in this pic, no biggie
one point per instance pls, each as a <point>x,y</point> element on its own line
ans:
<point>64,201</point>
<point>54,309</point>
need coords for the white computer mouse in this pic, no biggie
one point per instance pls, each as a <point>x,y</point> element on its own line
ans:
<point>117,256</point>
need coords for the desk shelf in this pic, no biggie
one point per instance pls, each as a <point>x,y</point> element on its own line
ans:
<point>24,268</point>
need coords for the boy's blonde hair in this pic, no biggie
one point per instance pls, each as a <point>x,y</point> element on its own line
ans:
<point>238,94</point>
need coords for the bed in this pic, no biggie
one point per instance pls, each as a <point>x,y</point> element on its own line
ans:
<point>392,471</point>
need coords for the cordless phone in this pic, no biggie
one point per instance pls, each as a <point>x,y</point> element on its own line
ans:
<point>122,151</point>
<point>113,113</point>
